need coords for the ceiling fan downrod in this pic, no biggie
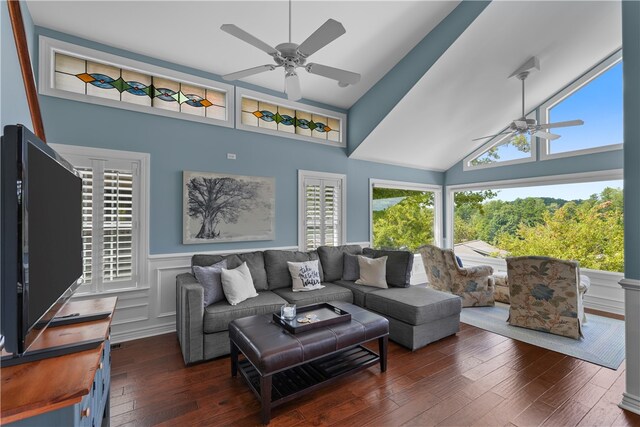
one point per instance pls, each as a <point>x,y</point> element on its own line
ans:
<point>522,76</point>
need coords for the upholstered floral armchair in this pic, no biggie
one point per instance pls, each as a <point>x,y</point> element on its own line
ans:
<point>473,284</point>
<point>546,295</point>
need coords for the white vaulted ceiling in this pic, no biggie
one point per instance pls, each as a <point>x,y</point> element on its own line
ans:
<point>465,94</point>
<point>379,34</point>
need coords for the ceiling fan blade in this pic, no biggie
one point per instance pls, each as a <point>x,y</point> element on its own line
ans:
<point>342,76</point>
<point>328,32</point>
<point>492,136</point>
<point>238,32</point>
<point>545,135</point>
<point>292,87</point>
<point>249,72</point>
<point>561,124</point>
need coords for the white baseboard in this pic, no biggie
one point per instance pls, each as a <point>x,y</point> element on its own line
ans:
<point>144,332</point>
<point>630,403</point>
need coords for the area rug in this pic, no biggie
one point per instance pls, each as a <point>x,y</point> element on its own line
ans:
<point>603,342</point>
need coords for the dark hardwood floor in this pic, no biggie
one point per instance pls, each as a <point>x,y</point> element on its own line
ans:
<point>473,378</point>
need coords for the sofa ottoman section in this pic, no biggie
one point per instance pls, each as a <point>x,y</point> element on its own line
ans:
<point>359,291</point>
<point>417,315</point>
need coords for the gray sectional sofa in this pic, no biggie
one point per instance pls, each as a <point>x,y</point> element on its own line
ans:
<point>417,315</point>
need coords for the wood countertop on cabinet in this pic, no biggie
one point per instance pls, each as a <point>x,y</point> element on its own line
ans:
<point>45,385</point>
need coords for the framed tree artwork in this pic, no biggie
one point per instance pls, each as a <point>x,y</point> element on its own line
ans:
<point>227,208</point>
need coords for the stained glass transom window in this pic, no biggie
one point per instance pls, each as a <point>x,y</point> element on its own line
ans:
<point>268,115</point>
<point>86,77</point>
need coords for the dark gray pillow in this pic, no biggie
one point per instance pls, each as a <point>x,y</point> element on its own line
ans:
<point>210,277</point>
<point>399,265</point>
<point>275,263</point>
<point>255,262</point>
<point>332,262</point>
<point>351,269</point>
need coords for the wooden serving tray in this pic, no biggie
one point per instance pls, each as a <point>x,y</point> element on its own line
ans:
<point>327,315</point>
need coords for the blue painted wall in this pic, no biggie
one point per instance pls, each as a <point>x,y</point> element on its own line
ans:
<point>176,145</point>
<point>13,101</point>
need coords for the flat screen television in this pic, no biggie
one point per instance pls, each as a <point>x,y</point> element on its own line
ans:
<point>41,236</point>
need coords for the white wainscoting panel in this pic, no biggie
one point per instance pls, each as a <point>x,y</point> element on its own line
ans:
<point>151,309</point>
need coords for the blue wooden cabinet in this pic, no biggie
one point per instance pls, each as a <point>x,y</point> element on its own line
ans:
<point>92,411</point>
<point>68,390</point>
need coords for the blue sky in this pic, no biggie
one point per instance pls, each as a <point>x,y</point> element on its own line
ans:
<point>598,104</point>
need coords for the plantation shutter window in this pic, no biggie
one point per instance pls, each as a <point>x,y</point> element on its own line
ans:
<point>321,211</point>
<point>117,256</point>
<point>110,218</point>
<point>87,222</point>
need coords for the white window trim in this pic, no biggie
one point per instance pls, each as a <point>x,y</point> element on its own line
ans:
<point>403,185</point>
<point>573,178</point>
<point>142,246</point>
<point>466,163</point>
<point>246,93</point>
<point>46,83</point>
<point>587,78</point>
<point>302,174</point>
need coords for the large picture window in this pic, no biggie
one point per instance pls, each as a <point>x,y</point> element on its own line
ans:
<point>404,215</point>
<point>582,221</point>
<point>113,211</point>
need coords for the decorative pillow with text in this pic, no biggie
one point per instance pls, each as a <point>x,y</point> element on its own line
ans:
<point>305,275</point>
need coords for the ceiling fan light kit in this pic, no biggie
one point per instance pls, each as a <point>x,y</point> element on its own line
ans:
<point>523,125</point>
<point>291,56</point>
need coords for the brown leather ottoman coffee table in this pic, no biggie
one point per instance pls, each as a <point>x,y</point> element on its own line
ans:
<point>280,366</point>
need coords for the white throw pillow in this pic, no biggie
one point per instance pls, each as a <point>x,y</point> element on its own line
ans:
<point>305,275</point>
<point>373,271</point>
<point>237,284</point>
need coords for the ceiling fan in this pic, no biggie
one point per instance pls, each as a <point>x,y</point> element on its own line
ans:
<point>523,125</point>
<point>291,56</point>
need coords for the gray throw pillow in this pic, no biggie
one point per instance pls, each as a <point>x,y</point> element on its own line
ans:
<point>331,260</point>
<point>210,277</point>
<point>351,268</point>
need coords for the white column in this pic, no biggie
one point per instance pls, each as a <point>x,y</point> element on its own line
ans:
<point>631,396</point>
